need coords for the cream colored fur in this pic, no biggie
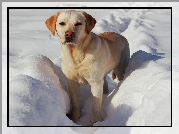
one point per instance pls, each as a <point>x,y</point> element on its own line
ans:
<point>88,58</point>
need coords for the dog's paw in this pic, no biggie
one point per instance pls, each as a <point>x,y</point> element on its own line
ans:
<point>93,121</point>
<point>75,116</point>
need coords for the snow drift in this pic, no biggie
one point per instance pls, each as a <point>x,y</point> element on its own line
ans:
<point>36,96</point>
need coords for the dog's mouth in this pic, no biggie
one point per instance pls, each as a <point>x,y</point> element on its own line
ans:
<point>69,39</point>
<point>70,43</point>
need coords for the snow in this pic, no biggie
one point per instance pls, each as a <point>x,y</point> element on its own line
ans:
<point>38,93</point>
<point>35,93</point>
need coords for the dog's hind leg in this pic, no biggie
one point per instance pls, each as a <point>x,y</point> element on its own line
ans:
<point>121,67</point>
<point>105,86</point>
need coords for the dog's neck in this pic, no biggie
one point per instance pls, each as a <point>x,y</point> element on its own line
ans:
<point>76,55</point>
<point>87,40</point>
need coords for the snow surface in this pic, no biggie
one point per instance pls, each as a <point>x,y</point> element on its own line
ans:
<point>38,91</point>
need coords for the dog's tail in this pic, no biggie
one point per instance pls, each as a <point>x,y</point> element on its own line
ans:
<point>113,75</point>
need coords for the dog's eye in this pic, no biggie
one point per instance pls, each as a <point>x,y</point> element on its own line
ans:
<point>62,23</point>
<point>78,24</point>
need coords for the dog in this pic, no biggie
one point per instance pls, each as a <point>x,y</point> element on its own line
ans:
<point>87,57</point>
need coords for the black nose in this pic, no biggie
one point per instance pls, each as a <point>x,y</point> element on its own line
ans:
<point>69,36</point>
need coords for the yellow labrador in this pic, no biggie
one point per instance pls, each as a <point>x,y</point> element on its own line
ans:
<point>87,58</point>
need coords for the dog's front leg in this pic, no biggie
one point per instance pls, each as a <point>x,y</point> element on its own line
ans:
<point>74,90</point>
<point>97,92</point>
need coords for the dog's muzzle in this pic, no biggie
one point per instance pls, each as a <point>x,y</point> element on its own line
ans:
<point>69,36</point>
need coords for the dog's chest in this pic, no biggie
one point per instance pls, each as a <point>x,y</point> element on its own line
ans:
<point>77,72</point>
<point>79,75</point>
<point>77,56</point>
<point>73,54</point>
<point>77,65</point>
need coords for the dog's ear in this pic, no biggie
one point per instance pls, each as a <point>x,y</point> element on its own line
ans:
<point>51,23</point>
<point>90,22</point>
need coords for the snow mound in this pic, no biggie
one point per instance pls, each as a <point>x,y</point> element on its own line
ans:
<point>112,24</point>
<point>141,101</point>
<point>36,94</point>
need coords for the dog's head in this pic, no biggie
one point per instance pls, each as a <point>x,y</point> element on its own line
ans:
<point>72,27</point>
